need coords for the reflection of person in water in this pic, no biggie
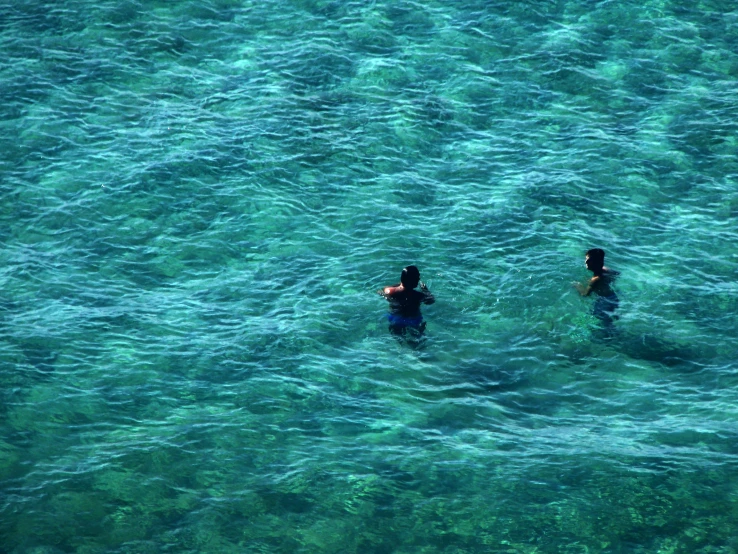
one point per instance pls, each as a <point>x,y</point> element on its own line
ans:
<point>405,302</point>
<point>607,301</point>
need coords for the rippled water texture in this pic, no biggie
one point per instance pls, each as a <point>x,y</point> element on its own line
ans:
<point>201,199</point>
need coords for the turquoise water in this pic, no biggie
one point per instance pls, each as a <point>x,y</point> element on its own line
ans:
<point>200,200</point>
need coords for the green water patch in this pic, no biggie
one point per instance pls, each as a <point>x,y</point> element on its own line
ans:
<point>200,202</point>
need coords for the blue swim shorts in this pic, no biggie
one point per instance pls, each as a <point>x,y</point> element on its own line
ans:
<point>399,321</point>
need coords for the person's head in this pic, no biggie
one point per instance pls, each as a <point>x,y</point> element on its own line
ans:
<point>594,259</point>
<point>410,277</point>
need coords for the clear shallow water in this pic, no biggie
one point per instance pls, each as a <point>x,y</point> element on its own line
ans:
<point>200,200</point>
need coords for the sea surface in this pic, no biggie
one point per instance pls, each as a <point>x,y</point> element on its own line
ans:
<point>200,199</point>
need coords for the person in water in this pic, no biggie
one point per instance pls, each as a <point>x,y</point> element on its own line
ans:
<point>404,302</point>
<point>600,284</point>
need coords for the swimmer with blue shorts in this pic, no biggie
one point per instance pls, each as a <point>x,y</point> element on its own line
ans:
<point>607,301</point>
<point>405,302</point>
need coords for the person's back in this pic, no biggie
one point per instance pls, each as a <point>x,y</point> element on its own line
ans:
<point>406,302</point>
<point>601,284</point>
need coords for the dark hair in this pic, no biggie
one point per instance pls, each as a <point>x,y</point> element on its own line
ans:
<point>596,257</point>
<point>410,277</point>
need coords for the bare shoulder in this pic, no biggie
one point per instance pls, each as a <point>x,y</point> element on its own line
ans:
<point>390,291</point>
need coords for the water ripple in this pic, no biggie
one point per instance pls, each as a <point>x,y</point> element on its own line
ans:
<point>200,201</point>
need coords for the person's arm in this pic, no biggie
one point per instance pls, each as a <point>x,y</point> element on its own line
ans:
<point>428,297</point>
<point>585,290</point>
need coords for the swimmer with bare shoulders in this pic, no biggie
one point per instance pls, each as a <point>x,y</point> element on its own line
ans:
<point>404,302</point>
<point>600,284</point>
